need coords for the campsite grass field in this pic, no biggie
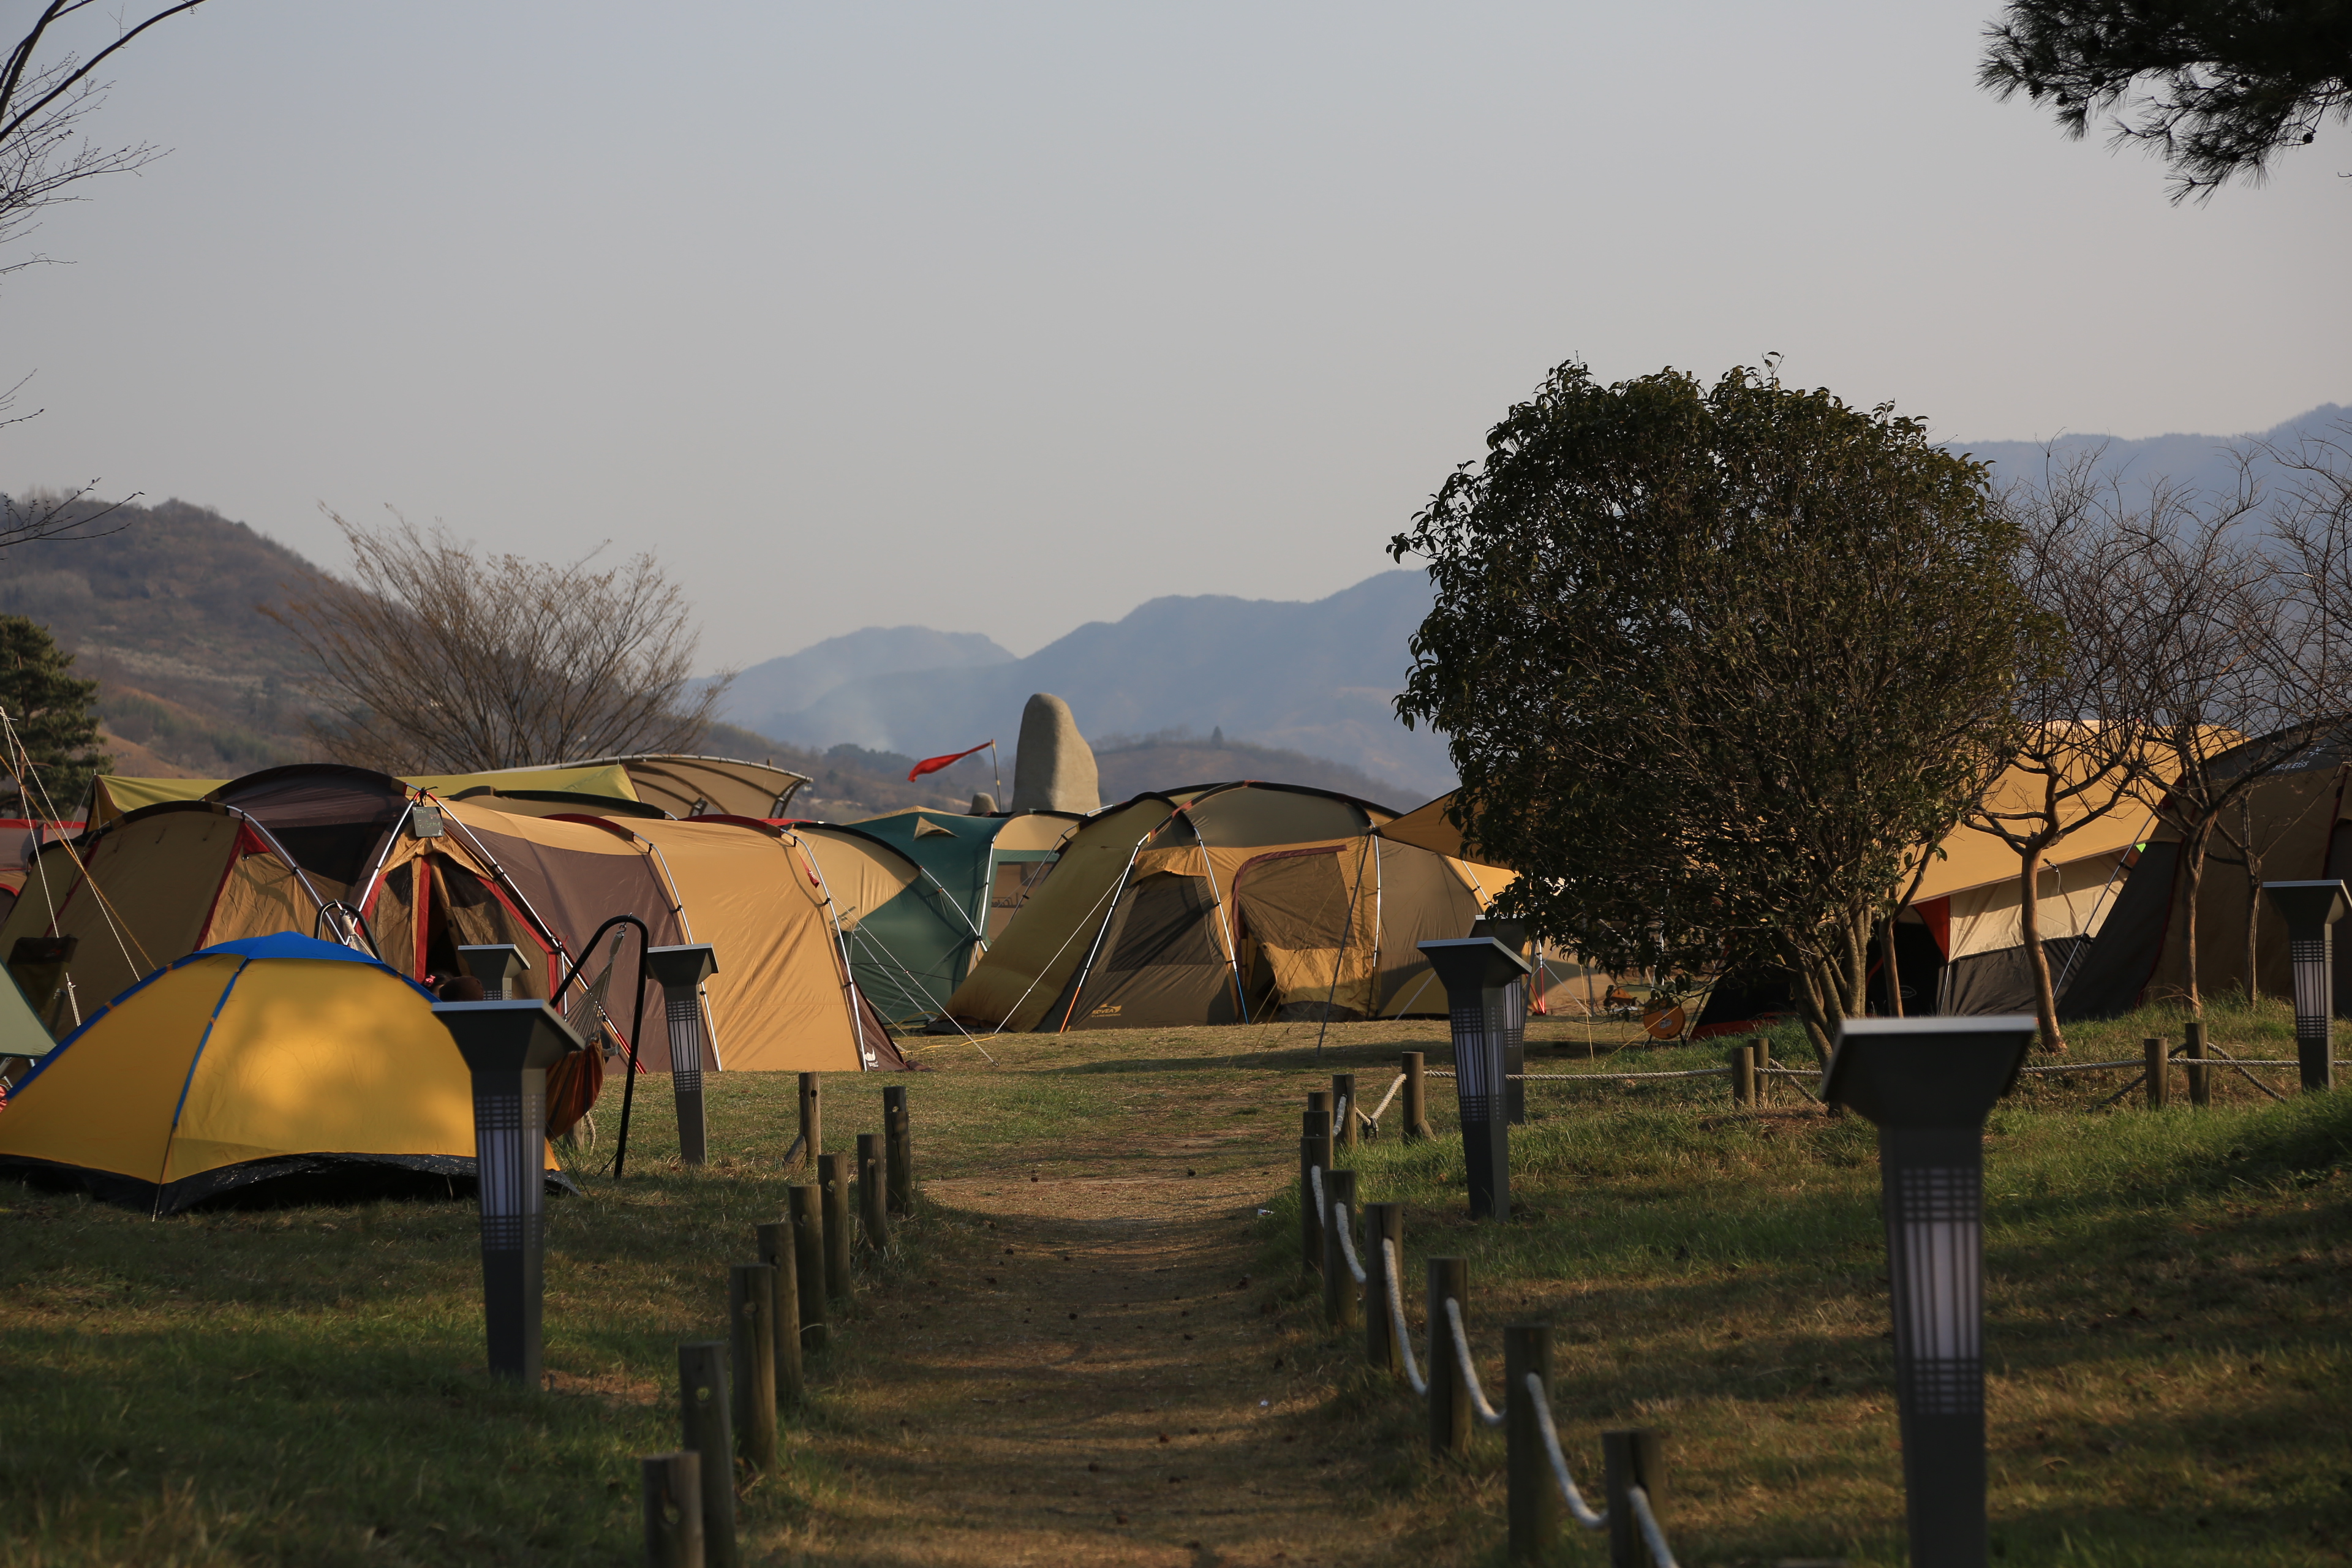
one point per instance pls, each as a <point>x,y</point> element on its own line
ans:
<point>1091,1345</point>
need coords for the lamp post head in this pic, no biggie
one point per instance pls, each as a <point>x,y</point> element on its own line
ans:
<point>1924,1073</point>
<point>2308,904</point>
<point>682,968</point>
<point>1475,964</point>
<point>498,965</point>
<point>507,1036</point>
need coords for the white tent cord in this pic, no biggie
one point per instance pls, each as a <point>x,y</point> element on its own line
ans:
<point>873,945</point>
<point>28,779</point>
<point>1058,953</point>
<point>1581,1511</point>
<point>1487,1415</point>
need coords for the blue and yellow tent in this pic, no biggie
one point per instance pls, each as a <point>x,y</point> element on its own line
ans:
<point>273,1059</point>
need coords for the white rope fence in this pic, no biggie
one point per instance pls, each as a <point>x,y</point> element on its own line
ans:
<point>1541,1427</point>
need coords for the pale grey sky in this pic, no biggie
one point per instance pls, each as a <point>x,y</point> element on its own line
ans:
<point>1006,318</point>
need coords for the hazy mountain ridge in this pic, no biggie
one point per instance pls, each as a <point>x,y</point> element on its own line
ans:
<point>2203,463</point>
<point>1314,677</point>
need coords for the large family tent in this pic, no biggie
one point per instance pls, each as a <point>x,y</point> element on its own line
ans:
<point>278,1060</point>
<point>956,884</point>
<point>1960,942</point>
<point>1222,904</point>
<point>2301,824</point>
<point>344,852</point>
<point>783,998</point>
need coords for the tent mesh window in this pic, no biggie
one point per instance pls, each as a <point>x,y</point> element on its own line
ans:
<point>1166,920</point>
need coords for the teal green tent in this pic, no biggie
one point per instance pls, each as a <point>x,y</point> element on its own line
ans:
<point>921,892</point>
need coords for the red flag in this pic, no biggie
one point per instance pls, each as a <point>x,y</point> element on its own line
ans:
<point>933,764</point>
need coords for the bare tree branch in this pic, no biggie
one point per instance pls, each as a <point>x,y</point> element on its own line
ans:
<point>434,659</point>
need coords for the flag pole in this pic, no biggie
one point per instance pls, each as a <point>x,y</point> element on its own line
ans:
<point>996,771</point>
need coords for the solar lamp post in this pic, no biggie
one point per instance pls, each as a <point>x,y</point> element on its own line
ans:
<point>497,965</point>
<point>1478,974</point>
<point>681,972</point>
<point>2312,910</point>
<point>1927,1083</point>
<point>508,1047</point>
<point>1513,935</point>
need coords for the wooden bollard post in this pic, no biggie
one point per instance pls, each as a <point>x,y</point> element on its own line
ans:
<point>751,1352</point>
<point>1338,1284</point>
<point>812,1121</point>
<point>1449,1405</point>
<point>2200,1076</point>
<point>2160,1071</point>
<point>673,1497</point>
<point>1633,1459</point>
<point>873,1193</point>
<point>1343,1110</point>
<point>1314,1154</point>
<point>1416,1098</point>
<point>1760,1048</point>
<point>777,1252</point>
<point>1381,1222</point>
<point>833,1183</point>
<point>807,1208</point>
<point>702,1417</point>
<point>1743,1075</point>
<point>1534,1501</point>
<point>898,1137</point>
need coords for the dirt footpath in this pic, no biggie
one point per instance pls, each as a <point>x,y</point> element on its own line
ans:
<point>1093,1378</point>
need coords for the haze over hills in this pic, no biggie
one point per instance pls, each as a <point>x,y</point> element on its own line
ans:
<point>2204,463</point>
<point>1313,677</point>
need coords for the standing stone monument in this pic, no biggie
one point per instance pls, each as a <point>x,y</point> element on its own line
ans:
<point>982,804</point>
<point>1055,768</point>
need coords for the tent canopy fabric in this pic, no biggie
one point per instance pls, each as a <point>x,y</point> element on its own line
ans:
<point>228,1069</point>
<point>690,785</point>
<point>113,794</point>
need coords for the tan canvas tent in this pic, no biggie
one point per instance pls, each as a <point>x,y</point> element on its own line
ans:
<point>1224,903</point>
<point>342,852</point>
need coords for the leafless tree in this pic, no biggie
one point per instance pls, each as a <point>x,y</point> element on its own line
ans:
<point>434,659</point>
<point>2241,670</point>
<point>44,96</point>
<point>2078,736</point>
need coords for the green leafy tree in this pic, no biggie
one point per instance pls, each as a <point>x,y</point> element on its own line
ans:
<point>2216,87</point>
<point>1716,667</point>
<point>54,717</point>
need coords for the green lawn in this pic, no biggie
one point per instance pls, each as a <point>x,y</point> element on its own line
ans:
<point>305,1386</point>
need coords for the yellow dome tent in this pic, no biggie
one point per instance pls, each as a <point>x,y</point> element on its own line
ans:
<point>274,1059</point>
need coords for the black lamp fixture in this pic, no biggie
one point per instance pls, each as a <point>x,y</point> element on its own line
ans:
<point>1928,1084</point>
<point>508,1047</point>
<point>681,972</point>
<point>1478,974</point>
<point>2312,910</point>
<point>498,965</point>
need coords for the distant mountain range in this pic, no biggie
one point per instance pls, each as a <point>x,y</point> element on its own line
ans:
<point>1314,677</point>
<point>2197,462</point>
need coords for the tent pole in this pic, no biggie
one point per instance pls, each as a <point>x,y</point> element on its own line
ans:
<point>1225,925</point>
<point>1341,956</point>
<point>1100,931</point>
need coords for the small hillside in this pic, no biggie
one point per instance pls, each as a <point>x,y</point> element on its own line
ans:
<point>163,608</point>
<point>1128,766</point>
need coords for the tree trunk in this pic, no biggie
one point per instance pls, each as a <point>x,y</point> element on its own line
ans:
<point>1894,973</point>
<point>2037,961</point>
<point>2193,856</point>
<point>2253,893</point>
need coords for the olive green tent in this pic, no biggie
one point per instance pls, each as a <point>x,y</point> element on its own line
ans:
<point>914,924</point>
